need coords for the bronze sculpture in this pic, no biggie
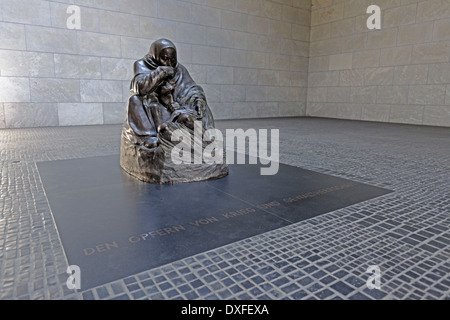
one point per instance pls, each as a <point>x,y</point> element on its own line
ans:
<point>164,98</point>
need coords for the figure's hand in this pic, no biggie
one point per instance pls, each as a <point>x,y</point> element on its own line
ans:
<point>166,72</point>
<point>200,107</point>
<point>174,106</point>
<point>154,79</point>
<point>151,142</point>
<point>177,113</point>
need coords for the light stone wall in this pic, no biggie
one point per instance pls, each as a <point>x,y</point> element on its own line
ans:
<point>251,56</point>
<point>398,74</point>
<point>254,58</point>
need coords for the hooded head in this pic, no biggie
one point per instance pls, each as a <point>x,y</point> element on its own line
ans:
<point>164,53</point>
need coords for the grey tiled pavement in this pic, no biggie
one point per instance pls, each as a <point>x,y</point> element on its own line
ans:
<point>406,233</point>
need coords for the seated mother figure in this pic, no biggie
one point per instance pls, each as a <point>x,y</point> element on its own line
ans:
<point>163,93</point>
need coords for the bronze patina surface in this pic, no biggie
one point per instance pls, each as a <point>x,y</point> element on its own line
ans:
<point>164,98</point>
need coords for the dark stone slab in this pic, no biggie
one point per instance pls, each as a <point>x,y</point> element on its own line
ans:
<point>112,225</point>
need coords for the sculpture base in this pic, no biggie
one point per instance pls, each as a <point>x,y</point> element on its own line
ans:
<point>155,165</point>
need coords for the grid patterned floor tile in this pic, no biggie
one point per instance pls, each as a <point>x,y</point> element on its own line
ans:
<point>405,233</point>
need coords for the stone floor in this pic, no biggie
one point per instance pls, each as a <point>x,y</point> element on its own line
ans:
<point>405,233</point>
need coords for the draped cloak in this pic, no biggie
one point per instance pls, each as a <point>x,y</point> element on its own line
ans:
<point>186,93</point>
<point>155,165</point>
